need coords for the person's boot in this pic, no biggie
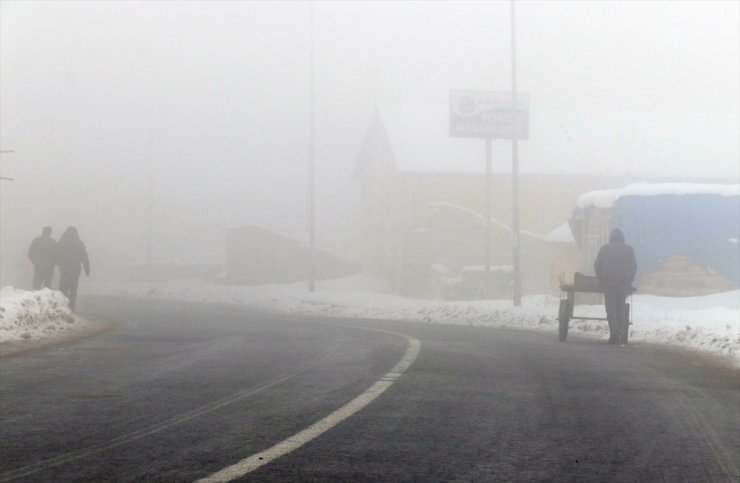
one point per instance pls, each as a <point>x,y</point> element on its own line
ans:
<point>613,333</point>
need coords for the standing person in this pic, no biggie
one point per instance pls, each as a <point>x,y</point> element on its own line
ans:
<point>71,257</point>
<point>615,268</point>
<point>41,254</point>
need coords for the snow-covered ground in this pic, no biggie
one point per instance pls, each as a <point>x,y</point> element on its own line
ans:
<point>710,323</point>
<point>26,315</point>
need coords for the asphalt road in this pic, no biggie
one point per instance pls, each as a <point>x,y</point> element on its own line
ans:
<point>177,392</point>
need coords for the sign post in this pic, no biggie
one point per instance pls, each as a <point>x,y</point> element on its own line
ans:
<point>494,115</point>
<point>517,289</point>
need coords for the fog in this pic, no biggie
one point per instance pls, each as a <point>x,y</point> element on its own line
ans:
<point>196,115</point>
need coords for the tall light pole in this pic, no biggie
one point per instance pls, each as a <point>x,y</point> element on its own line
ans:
<point>6,151</point>
<point>517,278</point>
<point>150,180</point>
<point>311,207</point>
<point>149,214</point>
<point>487,265</point>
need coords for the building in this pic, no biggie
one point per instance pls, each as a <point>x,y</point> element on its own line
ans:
<point>409,164</point>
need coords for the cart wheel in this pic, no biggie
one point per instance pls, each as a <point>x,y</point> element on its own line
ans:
<point>563,319</point>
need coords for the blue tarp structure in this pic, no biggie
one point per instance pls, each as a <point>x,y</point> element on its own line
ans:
<point>704,226</point>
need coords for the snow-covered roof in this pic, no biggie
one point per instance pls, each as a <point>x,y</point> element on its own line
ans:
<point>297,235</point>
<point>680,144</point>
<point>561,234</point>
<point>475,215</point>
<point>606,198</point>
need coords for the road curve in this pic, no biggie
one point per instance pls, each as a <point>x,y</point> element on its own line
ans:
<point>178,392</point>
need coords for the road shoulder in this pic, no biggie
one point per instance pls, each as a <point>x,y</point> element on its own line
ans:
<point>87,325</point>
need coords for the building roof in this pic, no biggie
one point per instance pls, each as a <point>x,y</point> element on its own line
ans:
<point>480,218</point>
<point>676,144</point>
<point>606,198</point>
<point>561,234</point>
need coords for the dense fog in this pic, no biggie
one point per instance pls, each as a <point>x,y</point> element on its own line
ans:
<point>153,127</point>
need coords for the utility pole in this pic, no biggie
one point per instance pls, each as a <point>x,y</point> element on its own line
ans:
<point>149,214</point>
<point>517,276</point>
<point>311,188</point>
<point>6,151</point>
<point>488,213</point>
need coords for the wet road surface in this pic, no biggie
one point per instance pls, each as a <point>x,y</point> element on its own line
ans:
<point>178,392</point>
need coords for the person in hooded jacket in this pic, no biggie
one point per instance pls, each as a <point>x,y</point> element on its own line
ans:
<point>615,268</point>
<point>41,254</point>
<point>71,256</point>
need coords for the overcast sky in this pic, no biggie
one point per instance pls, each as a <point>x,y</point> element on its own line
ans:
<point>214,96</point>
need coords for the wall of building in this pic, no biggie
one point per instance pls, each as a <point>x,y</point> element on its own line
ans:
<point>256,255</point>
<point>546,201</point>
<point>395,203</point>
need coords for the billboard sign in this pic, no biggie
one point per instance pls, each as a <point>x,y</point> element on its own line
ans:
<point>487,114</point>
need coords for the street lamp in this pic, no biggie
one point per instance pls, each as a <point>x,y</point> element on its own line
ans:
<point>311,183</point>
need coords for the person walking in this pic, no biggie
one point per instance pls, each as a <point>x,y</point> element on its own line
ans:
<point>71,256</point>
<point>615,268</point>
<point>41,254</point>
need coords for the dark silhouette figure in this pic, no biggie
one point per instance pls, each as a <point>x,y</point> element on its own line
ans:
<point>41,254</point>
<point>615,268</point>
<point>71,257</point>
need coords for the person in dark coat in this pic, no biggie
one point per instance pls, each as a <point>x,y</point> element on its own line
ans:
<point>71,256</point>
<point>615,268</point>
<point>41,254</point>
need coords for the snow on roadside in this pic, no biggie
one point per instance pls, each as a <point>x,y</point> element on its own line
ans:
<point>710,323</point>
<point>26,315</point>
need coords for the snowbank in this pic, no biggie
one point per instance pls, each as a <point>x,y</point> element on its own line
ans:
<point>35,315</point>
<point>607,198</point>
<point>710,323</point>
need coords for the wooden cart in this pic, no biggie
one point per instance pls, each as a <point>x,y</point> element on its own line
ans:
<point>584,284</point>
